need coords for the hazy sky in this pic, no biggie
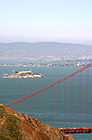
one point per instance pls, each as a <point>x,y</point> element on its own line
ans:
<point>46,20</point>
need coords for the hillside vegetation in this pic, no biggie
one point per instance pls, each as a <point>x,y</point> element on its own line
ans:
<point>14,126</point>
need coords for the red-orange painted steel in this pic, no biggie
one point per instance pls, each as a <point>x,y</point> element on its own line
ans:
<point>51,85</point>
<point>77,130</point>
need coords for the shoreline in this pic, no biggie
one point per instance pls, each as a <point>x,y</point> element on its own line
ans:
<point>42,65</point>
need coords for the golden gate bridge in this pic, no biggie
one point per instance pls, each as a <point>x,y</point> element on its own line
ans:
<point>66,102</point>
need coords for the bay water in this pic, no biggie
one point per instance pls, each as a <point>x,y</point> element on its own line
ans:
<point>14,89</point>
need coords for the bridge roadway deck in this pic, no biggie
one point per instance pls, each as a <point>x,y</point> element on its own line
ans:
<point>77,130</point>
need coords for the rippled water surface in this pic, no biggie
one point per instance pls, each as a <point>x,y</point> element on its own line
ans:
<point>41,106</point>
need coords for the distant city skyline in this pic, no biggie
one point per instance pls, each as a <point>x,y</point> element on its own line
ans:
<point>67,21</point>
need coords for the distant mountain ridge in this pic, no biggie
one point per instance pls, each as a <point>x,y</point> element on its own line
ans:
<point>43,50</point>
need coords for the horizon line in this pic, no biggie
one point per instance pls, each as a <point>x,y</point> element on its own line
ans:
<point>44,42</point>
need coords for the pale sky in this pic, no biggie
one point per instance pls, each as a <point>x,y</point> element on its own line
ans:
<point>68,21</point>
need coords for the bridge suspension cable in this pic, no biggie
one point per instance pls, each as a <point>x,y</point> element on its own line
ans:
<point>66,103</point>
<point>51,85</point>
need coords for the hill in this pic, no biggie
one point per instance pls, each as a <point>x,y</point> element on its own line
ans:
<point>14,126</point>
<point>43,51</point>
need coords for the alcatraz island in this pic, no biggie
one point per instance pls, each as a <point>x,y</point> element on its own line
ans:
<point>23,74</point>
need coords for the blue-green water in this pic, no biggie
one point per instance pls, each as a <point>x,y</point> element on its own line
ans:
<point>13,89</point>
